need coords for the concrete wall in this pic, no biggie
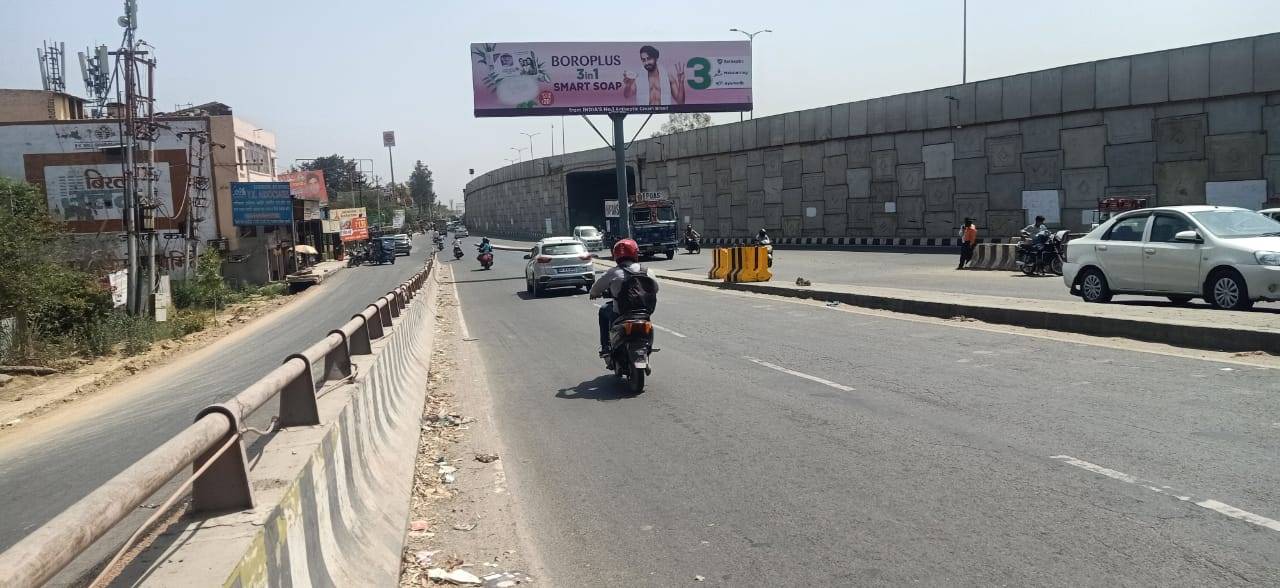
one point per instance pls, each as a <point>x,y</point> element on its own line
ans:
<point>33,105</point>
<point>1170,126</point>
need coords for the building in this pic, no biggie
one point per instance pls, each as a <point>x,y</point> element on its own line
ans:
<point>1192,125</point>
<point>200,151</point>
<point>32,105</point>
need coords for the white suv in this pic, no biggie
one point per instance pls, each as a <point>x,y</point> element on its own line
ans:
<point>1228,256</point>
<point>558,262</point>
<point>590,237</point>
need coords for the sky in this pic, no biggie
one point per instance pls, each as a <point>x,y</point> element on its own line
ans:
<point>328,76</point>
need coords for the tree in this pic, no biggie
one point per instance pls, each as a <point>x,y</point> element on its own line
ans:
<point>680,122</point>
<point>422,187</point>
<point>340,174</point>
<point>45,295</point>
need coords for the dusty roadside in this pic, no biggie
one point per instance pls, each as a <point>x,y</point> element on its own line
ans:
<point>28,397</point>
<point>463,523</point>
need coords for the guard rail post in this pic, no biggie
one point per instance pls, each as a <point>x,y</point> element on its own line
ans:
<point>337,362</point>
<point>225,485</point>
<point>373,320</point>
<point>393,304</point>
<point>384,313</point>
<point>298,397</point>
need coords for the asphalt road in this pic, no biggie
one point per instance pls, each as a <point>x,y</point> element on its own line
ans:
<point>784,443</point>
<point>48,465</point>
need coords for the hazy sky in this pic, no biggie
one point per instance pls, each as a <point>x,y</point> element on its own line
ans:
<point>329,76</point>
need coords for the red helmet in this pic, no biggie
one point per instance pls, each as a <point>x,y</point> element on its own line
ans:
<point>626,249</point>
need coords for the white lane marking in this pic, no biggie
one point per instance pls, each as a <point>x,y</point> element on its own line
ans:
<point>462,320</point>
<point>666,330</point>
<point>1208,503</point>
<point>799,374</point>
<point>655,325</point>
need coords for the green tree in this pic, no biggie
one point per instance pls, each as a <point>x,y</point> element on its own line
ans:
<point>340,174</point>
<point>422,188</point>
<point>680,122</point>
<point>45,296</point>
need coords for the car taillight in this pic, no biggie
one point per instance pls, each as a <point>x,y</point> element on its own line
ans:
<point>637,326</point>
<point>544,259</point>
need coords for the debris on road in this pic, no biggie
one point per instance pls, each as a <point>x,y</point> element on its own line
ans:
<point>464,526</point>
<point>424,556</point>
<point>803,282</point>
<point>963,319</point>
<point>506,579</point>
<point>419,526</point>
<point>461,577</point>
<point>486,457</point>
<point>699,578</point>
<point>833,303</point>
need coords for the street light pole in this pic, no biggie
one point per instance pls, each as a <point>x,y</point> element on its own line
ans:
<point>531,136</point>
<point>964,42</point>
<point>518,151</point>
<point>751,38</point>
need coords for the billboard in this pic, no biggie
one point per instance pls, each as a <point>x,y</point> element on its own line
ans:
<point>388,138</point>
<point>531,79</point>
<point>353,225</point>
<point>256,204</point>
<point>397,219</point>
<point>307,185</point>
<point>95,192</point>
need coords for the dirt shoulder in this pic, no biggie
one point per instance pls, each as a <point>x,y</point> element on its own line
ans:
<point>463,520</point>
<point>27,397</point>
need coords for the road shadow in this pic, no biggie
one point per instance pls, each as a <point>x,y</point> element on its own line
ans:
<point>1158,303</point>
<point>485,280</point>
<point>557,293</point>
<point>603,388</point>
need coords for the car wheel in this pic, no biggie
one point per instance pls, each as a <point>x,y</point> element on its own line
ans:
<point>1227,290</point>
<point>528,286</point>
<point>1180,300</point>
<point>537,291</point>
<point>1093,286</point>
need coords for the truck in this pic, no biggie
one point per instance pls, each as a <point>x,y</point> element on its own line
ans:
<point>654,224</point>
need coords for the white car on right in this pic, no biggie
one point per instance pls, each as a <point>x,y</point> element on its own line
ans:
<point>1228,256</point>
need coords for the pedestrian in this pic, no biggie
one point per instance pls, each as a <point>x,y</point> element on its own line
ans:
<point>968,240</point>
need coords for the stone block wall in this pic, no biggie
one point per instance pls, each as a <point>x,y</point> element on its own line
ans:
<point>1167,126</point>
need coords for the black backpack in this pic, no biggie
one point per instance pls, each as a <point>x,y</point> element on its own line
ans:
<point>638,294</point>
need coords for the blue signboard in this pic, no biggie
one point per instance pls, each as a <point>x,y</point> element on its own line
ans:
<point>256,204</point>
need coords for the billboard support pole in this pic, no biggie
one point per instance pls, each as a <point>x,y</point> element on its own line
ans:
<point>620,170</point>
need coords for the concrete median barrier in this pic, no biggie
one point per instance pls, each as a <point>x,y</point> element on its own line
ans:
<point>337,510</point>
<point>993,256</point>
<point>1195,328</point>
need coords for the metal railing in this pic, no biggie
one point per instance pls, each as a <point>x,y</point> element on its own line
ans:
<point>212,446</point>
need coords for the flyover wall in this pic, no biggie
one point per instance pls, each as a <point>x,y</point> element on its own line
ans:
<point>1182,126</point>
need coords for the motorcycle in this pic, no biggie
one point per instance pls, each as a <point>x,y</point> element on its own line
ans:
<point>439,244</point>
<point>485,258</point>
<point>692,246</point>
<point>1042,253</point>
<point>355,257</point>
<point>630,345</point>
<point>457,252</point>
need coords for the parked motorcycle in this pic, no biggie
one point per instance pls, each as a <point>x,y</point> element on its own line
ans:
<point>692,246</point>
<point>1042,253</point>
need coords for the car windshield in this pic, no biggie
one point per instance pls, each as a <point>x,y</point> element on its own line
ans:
<point>1231,224</point>
<point>666,214</point>
<point>563,249</point>
<point>588,233</point>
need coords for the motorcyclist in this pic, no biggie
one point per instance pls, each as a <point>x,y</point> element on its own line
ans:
<point>1036,228</point>
<point>762,237</point>
<point>690,234</point>
<point>485,246</point>
<point>627,254</point>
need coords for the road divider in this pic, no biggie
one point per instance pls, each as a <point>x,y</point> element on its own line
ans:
<point>1196,328</point>
<point>749,264</point>
<point>341,518</point>
<point>721,259</point>
<point>1000,257</point>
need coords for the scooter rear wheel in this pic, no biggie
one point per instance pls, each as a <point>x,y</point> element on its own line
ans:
<point>635,380</point>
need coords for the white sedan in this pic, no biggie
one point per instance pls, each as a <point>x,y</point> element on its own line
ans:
<point>1228,256</point>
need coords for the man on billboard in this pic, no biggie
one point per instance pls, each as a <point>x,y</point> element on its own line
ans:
<point>656,87</point>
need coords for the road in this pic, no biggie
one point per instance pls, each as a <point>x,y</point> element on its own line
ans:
<point>785,443</point>
<point>49,464</point>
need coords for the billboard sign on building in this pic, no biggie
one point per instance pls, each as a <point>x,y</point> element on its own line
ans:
<point>530,79</point>
<point>307,185</point>
<point>255,204</point>
<point>352,222</point>
<point>95,192</point>
<point>397,218</point>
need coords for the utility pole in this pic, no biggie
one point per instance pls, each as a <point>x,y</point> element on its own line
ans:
<point>964,42</point>
<point>751,42</point>
<point>620,174</point>
<point>531,136</point>
<point>388,141</point>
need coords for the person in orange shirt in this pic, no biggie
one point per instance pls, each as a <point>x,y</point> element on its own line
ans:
<point>968,240</point>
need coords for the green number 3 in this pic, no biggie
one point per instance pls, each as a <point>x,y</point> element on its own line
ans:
<point>701,78</point>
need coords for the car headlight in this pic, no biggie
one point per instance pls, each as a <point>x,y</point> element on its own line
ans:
<point>1267,257</point>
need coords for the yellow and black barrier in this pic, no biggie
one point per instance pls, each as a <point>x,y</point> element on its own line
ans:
<point>748,264</point>
<point>720,262</point>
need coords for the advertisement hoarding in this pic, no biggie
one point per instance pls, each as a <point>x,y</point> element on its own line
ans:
<point>307,185</point>
<point>352,222</point>
<point>397,218</point>
<point>531,79</point>
<point>255,204</point>
<point>95,192</point>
